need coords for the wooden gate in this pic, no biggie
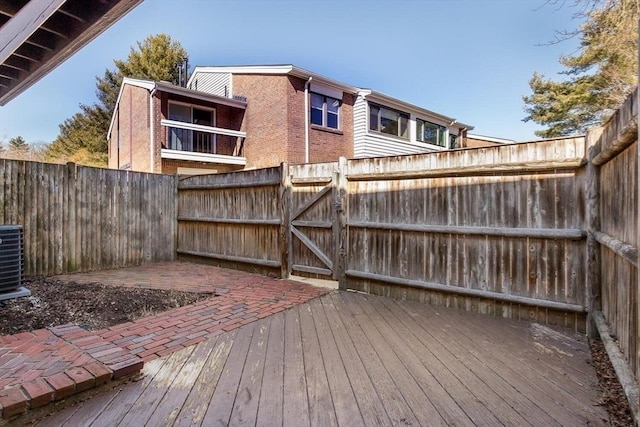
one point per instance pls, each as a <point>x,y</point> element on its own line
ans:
<point>315,232</point>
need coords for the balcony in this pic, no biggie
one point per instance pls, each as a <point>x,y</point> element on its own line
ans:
<point>209,144</point>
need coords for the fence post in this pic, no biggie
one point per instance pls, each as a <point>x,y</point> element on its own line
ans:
<point>594,301</point>
<point>636,327</point>
<point>72,209</point>
<point>339,223</point>
<point>284,195</point>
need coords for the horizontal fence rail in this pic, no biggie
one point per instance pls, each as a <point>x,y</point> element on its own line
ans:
<point>499,230</point>
<point>535,233</point>
<point>233,219</point>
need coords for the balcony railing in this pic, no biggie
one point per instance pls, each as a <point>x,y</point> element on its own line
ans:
<point>188,141</point>
<point>191,140</point>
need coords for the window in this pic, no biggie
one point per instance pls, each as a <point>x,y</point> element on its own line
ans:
<point>190,140</point>
<point>325,111</point>
<point>431,133</point>
<point>386,120</point>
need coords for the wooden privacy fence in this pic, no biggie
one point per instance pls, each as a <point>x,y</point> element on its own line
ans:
<point>234,220</point>
<point>613,234</point>
<point>80,219</point>
<point>499,230</point>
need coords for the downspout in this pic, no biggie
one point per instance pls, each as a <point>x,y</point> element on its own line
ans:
<point>306,120</point>
<point>118,141</point>
<point>152,129</point>
<point>449,133</point>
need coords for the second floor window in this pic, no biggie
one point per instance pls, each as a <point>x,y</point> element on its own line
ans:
<point>325,111</point>
<point>431,133</point>
<point>386,120</point>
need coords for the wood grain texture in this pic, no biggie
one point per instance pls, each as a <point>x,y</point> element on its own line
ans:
<point>81,219</point>
<point>618,239</point>
<point>233,219</point>
<point>500,224</point>
<point>350,359</point>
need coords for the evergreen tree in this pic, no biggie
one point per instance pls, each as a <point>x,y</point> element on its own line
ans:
<point>18,144</point>
<point>597,79</point>
<point>83,137</point>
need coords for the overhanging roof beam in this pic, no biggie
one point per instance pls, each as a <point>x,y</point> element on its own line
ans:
<point>24,23</point>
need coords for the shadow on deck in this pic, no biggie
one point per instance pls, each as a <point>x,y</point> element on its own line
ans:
<point>352,359</point>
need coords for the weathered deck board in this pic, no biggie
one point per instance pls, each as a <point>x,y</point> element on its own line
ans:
<point>168,408</point>
<point>397,408</point>
<point>195,407</point>
<point>245,408</point>
<point>163,381</point>
<point>271,394</point>
<point>469,399</point>
<point>418,400</point>
<point>295,405</point>
<point>321,408</point>
<point>531,383</point>
<point>351,359</point>
<point>441,400</point>
<point>344,400</point>
<point>500,366</point>
<point>221,405</point>
<point>371,407</point>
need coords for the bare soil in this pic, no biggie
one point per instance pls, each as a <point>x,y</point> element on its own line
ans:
<point>95,306</point>
<point>90,305</point>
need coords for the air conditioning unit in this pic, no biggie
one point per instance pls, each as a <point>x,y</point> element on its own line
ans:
<point>12,262</point>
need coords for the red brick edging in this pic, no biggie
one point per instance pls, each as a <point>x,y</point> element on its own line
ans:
<point>47,365</point>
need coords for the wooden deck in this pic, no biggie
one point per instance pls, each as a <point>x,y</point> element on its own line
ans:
<point>352,359</point>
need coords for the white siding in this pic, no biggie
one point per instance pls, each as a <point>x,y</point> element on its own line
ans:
<point>378,145</point>
<point>214,83</point>
<point>359,127</point>
<point>371,144</point>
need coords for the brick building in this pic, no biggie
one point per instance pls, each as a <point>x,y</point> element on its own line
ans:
<point>230,118</point>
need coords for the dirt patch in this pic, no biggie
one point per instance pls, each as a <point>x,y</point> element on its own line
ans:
<point>90,305</point>
<point>612,397</point>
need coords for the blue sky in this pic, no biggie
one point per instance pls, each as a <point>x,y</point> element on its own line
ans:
<point>467,59</point>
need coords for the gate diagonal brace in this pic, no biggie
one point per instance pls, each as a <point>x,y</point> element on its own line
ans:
<point>316,250</point>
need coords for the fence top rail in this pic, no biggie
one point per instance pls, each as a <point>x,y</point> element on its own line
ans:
<point>620,131</point>
<point>226,185</point>
<point>496,169</point>
<point>248,178</point>
<point>564,152</point>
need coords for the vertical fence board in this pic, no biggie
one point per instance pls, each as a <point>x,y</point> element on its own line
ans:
<point>448,193</point>
<point>233,220</point>
<point>80,219</point>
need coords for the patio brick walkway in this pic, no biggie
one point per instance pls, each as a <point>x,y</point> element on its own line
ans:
<point>39,367</point>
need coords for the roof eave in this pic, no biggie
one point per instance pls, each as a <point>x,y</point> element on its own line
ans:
<point>63,52</point>
<point>395,102</point>
<point>151,86</point>
<point>287,69</point>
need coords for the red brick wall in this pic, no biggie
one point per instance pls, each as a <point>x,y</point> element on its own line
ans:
<point>129,143</point>
<point>327,145</point>
<point>295,119</point>
<point>275,120</point>
<point>477,143</point>
<point>265,121</point>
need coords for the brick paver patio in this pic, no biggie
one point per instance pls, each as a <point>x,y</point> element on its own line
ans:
<point>42,366</point>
